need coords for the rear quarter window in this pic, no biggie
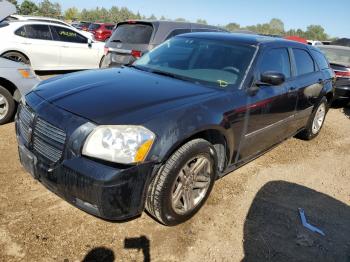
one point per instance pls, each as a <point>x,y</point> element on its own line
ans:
<point>320,59</point>
<point>133,34</point>
<point>21,32</point>
<point>303,61</point>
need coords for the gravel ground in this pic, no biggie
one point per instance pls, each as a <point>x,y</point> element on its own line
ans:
<point>251,215</point>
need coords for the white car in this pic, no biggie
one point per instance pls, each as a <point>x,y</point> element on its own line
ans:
<point>48,20</point>
<point>49,46</point>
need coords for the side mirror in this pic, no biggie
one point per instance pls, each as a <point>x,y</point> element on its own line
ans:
<point>90,42</point>
<point>272,78</point>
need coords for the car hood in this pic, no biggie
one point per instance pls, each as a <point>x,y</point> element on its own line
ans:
<point>6,9</point>
<point>119,96</point>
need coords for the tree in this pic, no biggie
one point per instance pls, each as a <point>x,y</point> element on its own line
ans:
<point>28,8</point>
<point>316,32</point>
<point>47,8</point>
<point>202,21</point>
<point>72,14</point>
<point>180,19</point>
<point>232,27</point>
<point>276,27</point>
<point>152,17</point>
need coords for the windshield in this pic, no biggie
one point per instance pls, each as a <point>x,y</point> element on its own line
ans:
<point>337,56</point>
<point>209,62</point>
<point>133,33</point>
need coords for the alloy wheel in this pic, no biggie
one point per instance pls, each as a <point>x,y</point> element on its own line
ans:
<point>319,118</point>
<point>4,107</point>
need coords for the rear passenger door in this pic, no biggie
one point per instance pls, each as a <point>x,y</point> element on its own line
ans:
<point>309,85</point>
<point>42,51</point>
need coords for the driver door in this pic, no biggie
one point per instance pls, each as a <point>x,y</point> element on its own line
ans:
<point>75,50</point>
<point>271,110</point>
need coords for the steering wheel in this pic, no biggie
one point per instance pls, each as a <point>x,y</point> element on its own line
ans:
<point>232,69</point>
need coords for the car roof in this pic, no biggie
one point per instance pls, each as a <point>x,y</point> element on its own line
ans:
<point>250,39</point>
<point>37,22</point>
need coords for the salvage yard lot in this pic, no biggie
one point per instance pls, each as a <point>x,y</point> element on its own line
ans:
<point>251,213</point>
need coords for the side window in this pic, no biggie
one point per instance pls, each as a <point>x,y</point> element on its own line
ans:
<point>21,32</point>
<point>321,59</point>
<point>41,32</point>
<point>303,61</point>
<point>177,32</point>
<point>276,60</point>
<point>66,35</point>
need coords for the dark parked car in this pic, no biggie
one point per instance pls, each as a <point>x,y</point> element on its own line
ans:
<point>339,57</point>
<point>157,134</point>
<point>130,40</point>
<point>101,31</point>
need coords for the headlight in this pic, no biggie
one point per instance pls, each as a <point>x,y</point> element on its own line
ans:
<point>119,144</point>
<point>26,73</point>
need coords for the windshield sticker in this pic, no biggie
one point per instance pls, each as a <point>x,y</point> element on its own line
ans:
<point>68,34</point>
<point>223,83</point>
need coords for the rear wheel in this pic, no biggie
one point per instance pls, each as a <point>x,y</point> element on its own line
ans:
<point>183,184</point>
<point>315,122</point>
<point>7,106</point>
<point>17,57</point>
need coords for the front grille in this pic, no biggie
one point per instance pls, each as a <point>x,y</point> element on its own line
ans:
<point>48,140</point>
<point>26,118</point>
<point>44,138</point>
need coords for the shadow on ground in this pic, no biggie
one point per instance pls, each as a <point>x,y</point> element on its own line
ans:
<point>346,111</point>
<point>273,229</point>
<point>102,254</point>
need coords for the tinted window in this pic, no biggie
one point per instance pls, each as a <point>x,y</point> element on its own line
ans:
<point>133,34</point>
<point>276,60</point>
<point>21,32</point>
<point>303,61</point>
<point>109,27</point>
<point>41,32</point>
<point>321,59</point>
<point>209,62</point>
<point>94,26</point>
<point>178,32</point>
<point>67,35</point>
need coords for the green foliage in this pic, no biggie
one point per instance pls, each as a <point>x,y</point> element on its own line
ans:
<point>116,14</point>
<point>28,8</point>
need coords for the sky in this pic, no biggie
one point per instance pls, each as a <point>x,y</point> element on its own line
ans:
<point>332,15</point>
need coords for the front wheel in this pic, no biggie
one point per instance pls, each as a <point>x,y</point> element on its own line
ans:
<point>315,122</point>
<point>183,183</point>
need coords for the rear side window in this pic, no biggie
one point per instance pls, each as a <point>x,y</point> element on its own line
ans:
<point>41,32</point>
<point>66,35</point>
<point>304,62</point>
<point>321,59</point>
<point>21,32</point>
<point>177,32</point>
<point>133,34</point>
<point>276,60</point>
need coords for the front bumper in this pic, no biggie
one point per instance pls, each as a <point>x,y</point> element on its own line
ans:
<point>109,191</point>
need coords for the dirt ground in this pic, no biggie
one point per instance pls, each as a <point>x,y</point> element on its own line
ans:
<point>251,215</point>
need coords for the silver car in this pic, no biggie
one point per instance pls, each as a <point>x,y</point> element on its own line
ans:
<point>16,80</point>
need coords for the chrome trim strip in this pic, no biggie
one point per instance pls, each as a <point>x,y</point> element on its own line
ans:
<point>121,51</point>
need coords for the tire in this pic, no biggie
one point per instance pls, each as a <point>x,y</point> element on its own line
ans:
<point>17,57</point>
<point>7,106</point>
<point>101,62</point>
<point>173,181</point>
<point>310,132</point>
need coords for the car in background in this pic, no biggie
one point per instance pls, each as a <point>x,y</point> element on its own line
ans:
<point>45,19</point>
<point>131,39</point>
<point>339,58</point>
<point>314,42</point>
<point>84,26</point>
<point>101,31</point>
<point>16,80</point>
<point>159,133</point>
<point>49,46</point>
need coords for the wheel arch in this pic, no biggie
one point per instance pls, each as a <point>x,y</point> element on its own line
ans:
<point>17,51</point>
<point>214,135</point>
<point>11,87</point>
